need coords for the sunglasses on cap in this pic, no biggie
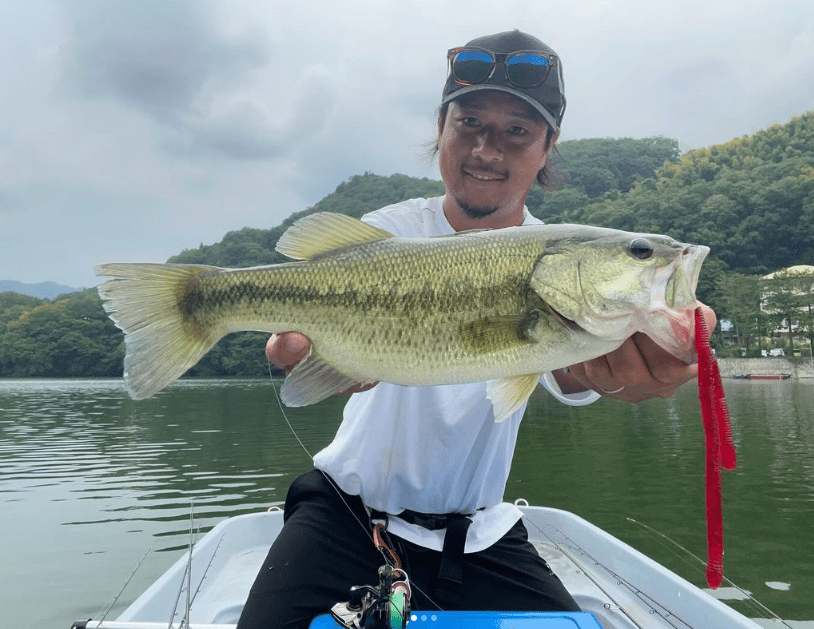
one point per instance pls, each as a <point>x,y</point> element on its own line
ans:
<point>524,68</point>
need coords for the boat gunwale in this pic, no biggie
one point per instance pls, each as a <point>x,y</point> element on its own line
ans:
<point>628,582</point>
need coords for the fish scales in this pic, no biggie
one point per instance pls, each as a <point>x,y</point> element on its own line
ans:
<point>331,299</point>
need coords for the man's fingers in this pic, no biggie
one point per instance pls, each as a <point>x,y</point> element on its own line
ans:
<point>660,365</point>
<point>286,349</point>
<point>639,369</point>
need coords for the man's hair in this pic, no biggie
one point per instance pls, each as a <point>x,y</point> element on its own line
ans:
<point>544,178</point>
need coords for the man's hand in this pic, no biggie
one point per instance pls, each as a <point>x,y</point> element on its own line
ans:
<point>286,349</point>
<point>636,371</point>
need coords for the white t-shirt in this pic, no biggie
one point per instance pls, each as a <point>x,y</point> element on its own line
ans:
<point>434,449</point>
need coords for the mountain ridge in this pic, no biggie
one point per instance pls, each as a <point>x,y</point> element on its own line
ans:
<point>42,290</point>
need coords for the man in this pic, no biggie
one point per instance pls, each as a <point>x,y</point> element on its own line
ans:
<point>430,462</point>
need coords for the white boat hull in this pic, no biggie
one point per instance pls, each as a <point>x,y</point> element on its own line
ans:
<point>620,586</point>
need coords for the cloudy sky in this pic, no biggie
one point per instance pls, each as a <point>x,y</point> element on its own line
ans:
<point>133,129</point>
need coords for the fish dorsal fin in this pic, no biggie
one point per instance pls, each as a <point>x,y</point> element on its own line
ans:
<point>313,380</point>
<point>325,231</point>
<point>508,394</point>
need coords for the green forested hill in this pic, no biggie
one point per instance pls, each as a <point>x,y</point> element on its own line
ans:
<point>355,197</point>
<point>597,166</point>
<point>751,200</point>
<point>70,336</point>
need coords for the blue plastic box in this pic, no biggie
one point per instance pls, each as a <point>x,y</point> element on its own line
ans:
<point>487,620</point>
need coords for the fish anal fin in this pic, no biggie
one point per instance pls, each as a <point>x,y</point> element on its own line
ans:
<point>509,394</point>
<point>325,231</point>
<point>313,380</point>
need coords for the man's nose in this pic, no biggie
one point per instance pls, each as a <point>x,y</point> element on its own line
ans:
<point>487,147</point>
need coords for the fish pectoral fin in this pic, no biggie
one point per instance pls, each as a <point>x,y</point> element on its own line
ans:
<point>313,380</point>
<point>509,394</point>
<point>490,334</point>
<point>325,231</point>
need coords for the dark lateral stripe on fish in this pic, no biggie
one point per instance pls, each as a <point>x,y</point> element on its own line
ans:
<point>206,294</point>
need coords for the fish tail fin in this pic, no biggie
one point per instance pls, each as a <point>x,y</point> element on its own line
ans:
<point>162,341</point>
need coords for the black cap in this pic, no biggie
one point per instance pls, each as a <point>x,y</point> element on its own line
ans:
<point>547,98</point>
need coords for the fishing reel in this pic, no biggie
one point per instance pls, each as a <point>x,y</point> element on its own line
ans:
<point>384,607</point>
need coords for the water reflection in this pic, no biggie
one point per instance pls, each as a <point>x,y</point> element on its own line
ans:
<point>612,461</point>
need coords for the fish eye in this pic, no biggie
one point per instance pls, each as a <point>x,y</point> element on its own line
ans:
<point>641,249</point>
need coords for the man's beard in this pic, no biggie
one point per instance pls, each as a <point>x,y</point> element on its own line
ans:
<point>474,211</point>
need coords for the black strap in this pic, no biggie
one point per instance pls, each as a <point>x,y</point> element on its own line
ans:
<point>450,574</point>
<point>375,514</point>
<point>429,521</point>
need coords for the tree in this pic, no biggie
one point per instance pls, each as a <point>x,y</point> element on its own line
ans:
<point>71,336</point>
<point>598,165</point>
<point>788,297</point>
<point>739,302</point>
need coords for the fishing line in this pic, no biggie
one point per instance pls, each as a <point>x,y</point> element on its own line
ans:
<point>649,529</point>
<point>338,492</point>
<point>750,602</point>
<point>310,456</point>
<point>577,563</point>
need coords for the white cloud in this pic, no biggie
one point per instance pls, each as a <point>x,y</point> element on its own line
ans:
<point>130,130</point>
<point>156,56</point>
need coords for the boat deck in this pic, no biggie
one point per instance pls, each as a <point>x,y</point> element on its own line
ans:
<point>621,587</point>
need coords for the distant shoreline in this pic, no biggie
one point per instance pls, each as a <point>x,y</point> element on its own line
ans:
<point>731,367</point>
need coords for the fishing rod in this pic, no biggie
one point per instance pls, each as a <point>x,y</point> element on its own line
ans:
<point>206,570</point>
<point>658,536</point>
<point>185,621</point>
<point>656,608</point>
<point>668,615</point>
<point>187,575</point>
<point>126,583</point>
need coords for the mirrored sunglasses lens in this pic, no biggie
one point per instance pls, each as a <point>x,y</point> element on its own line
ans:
<point>472,66</point>
<point>527,69</point>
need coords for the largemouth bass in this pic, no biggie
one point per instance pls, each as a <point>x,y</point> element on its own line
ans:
<point>501,306</point>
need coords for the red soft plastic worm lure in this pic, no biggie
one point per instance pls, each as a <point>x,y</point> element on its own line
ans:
<point>720,450</point>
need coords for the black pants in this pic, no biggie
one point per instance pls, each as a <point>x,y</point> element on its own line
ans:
<point>324,549</point>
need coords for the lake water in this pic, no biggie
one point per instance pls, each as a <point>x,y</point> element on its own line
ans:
<point>90,480</point>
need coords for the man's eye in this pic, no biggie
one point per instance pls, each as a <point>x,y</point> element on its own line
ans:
<point>517,130</point>
<point>470,121</point>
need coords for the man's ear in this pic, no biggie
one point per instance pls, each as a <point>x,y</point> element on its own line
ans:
<point>552,140</point>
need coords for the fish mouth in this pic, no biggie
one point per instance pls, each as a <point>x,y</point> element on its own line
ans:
<point>570,324</point>
<point>678,287</point>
